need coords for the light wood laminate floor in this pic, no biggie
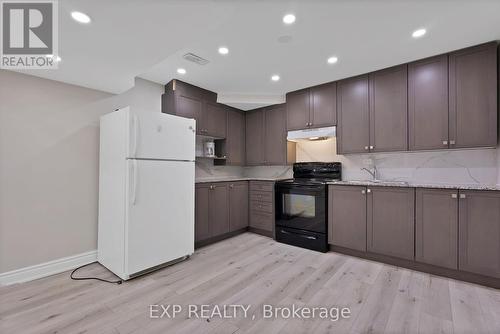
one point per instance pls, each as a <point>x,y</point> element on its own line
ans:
<point>252,269</point>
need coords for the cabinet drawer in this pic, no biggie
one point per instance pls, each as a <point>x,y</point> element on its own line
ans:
<point>261,220</point>
<point>261,186</point>
<point>258,206</point>
<point>262,196</point>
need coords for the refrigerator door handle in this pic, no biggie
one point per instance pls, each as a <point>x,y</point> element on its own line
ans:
<point>134,182</point>
<point>135,130</point>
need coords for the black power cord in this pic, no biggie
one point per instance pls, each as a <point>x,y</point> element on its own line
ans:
<point>90,278</point>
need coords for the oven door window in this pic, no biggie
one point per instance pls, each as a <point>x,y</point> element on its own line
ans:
<point>298,205</point>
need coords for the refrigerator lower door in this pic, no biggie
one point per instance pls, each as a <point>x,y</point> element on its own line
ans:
<point>160,214</point>
<point>160,136</point>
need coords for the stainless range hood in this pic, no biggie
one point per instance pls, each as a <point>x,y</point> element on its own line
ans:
<point>312,134</point>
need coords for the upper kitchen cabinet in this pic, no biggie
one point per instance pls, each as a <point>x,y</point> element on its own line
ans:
<point>266,142</point>
<point>185,100</point>
<point>254,137</point>
<point>235,138</point>
<point>215,119</point>
<point>479,232</point>
<point>473,96</point>
<point>353,115</point>
<point>388,110</point>
<point>312,107</point>
<point>297,109</point>
<point>428,103</point>
<point>275,150</point>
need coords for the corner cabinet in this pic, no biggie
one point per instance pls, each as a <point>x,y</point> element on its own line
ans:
<point>479,232</point>
<point>266,142</point>
<point>473,96</point>
<point>235,138</point>
<point>312,107</point>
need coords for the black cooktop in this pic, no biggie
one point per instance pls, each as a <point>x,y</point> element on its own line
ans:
<point>315,173</point>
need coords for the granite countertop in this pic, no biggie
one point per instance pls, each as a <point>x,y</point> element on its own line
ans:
<point>416,185</point>
<point>236,178</point>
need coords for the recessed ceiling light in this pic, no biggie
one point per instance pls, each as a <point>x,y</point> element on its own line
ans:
<point>419,33</point>
<point>181,71</point>
<point>80,17</point>
<point>275,77</point>
<point>332,60</point>
<point>223,50</point>
<point>288,18</point>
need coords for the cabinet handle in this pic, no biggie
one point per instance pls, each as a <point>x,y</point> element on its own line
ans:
<point>453,195</point>
<point>366,147</point>
<point>445,142</point>
<point>368,190</point>
<point>231,186</point>
<point>363,191</point>
<point>211,187</point>
<point>463,196</point>
<point>372,147</point>
<point>452,142</point>
<point>307,124</point>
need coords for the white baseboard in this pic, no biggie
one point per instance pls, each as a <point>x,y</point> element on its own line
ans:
<point>48,268</point>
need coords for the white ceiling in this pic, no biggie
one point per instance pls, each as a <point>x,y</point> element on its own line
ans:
<point>148,38</point>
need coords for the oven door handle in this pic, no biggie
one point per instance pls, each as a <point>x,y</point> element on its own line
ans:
<point>310,237</point>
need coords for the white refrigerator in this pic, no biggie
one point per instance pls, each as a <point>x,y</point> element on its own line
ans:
<point>146,190</point>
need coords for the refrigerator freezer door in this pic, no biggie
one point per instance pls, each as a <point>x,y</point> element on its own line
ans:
<point>160,136</point>
<point>160,214</point>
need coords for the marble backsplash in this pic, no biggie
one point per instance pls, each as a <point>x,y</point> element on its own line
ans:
<point>461,167</point>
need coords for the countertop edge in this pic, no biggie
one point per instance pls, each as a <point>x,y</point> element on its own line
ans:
<point>418,185</point>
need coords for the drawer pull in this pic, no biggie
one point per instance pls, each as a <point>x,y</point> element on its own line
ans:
<point>310,237</point>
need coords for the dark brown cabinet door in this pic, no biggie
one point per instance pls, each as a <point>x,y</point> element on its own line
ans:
<point>347,217</point>
<point>390,224</point>
<point>436,232</point>
<point>479,236</point>
<point>254,137</point>
<point>191,107</point>
<point>235,139</point>
<point>201,200</point>
<point>353,115</point>
<point>297,109</point>
<point>388,110</point>
<point>473,96</point>
<point>323,105</point>
<point>428,103</point>
<point>275,135</point>
<point>215,120</point>
<point>218,210</point>
<point>238,205</point>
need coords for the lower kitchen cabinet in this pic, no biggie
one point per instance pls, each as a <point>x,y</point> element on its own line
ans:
<point>220,208</point>
<point>436,232</point>
<point>238,206</point>
<point>479,232</point>
<point>390,223</point>
<point>347,216</point>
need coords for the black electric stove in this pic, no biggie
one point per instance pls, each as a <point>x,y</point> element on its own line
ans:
<point>301,205</point>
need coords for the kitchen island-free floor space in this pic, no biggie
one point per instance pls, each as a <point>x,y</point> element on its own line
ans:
<point>253,270</point>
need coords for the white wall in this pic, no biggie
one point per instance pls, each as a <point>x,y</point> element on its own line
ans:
<point>445,167</point>
<point>49,141</point>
